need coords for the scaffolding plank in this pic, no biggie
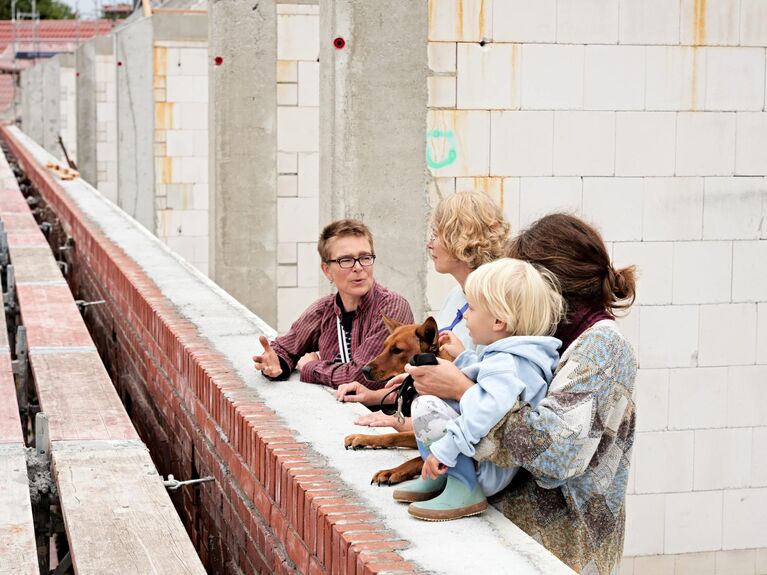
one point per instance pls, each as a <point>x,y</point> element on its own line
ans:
<point>78,397</point>
<point>18,550</point>
<point>51,316</point>
<point>118,515</point>
<point>10,424</point>
<point>35,264</point>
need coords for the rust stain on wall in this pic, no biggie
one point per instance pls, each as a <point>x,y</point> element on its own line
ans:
<point>160,61</point>
<point>163,115</point>
<point>459,19</point>
<point>699,39</point>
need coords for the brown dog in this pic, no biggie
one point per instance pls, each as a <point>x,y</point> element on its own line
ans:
<point>404,342</point>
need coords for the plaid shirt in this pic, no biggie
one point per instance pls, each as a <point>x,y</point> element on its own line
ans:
<point>317,330</point>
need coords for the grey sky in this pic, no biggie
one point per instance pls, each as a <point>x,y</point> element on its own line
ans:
<point>88,8</point>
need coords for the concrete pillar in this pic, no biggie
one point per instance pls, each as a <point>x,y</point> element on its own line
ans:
<point>135,121</point>
<point>32,103</point>
<point>51,77</point>
<point>373,102</point>
<point>243,157</point>
<point>85,63</point>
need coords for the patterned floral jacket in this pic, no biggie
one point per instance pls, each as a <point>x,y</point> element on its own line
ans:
<point>576,449</point>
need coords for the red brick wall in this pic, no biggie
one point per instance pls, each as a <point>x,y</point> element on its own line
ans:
<point>273,507</point>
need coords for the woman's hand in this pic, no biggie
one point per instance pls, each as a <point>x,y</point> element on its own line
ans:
<point>354,391</point>
<point>450,343</point>
<point>379,419</point>
<point>307,357</point>
<point>267,363</point>
<point>432,468</point>
<point>444,380</point>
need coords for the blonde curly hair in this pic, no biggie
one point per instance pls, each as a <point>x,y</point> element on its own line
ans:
<point>471,227</point>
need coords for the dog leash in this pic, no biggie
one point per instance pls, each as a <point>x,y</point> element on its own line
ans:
<point>458,317</point>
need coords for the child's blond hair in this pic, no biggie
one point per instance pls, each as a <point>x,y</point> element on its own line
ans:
<point>518,293</point>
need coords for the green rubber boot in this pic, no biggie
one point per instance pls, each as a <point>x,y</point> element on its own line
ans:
<point>420,489</point>
<point>454,502</point>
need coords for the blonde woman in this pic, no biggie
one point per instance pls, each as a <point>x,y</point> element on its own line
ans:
<point>467,230</point>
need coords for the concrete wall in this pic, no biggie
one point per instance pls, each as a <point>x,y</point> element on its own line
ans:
<point>649,120</point>
<point>85,64</point>
<point>135,121</point>
<point>32,118</point>
<point>67,106</point>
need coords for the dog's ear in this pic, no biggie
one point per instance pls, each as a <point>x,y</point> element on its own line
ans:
<point>390,323</point>
<point>428,332</point>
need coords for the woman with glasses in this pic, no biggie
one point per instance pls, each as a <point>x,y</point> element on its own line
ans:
<point>467,230</point>
<point>339,333</point>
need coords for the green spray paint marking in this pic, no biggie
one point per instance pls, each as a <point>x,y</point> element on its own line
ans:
<point>452,154</point>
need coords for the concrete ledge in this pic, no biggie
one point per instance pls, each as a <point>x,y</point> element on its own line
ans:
<point>283,471</point>
<point>18,549</point>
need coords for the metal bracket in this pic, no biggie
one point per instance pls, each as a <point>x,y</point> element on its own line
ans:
<point>20,370</point>
<point>63,266</point>
<point>172,484</point>
<point>42,435</point>
<point>82,304</point>
<point>46,228</point>
<point>64,566</point>
<point>3,246</point>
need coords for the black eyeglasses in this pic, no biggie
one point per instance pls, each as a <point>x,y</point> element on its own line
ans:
<point>348,262</point>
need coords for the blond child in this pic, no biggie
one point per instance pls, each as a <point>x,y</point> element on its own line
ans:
<point>513,309</point>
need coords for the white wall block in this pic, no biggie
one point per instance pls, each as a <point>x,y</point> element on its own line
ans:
<point>286,253</point>
<point>654,565</point>
<point>645,518</point>
<point>287,94</point>
<point>460,20</point>
<point>727,334</point>
<point>587,21</point>
<point>672,209</point>
<point>510,204</point>
<point>540,196</point>
<point>309,175</point>
<point>702,272</point>
<point>653,261</point>
<point>670,451</point>
<point>761,337</point>
<point>297,219</point>
<point>525,21</point>
<point>753,23</point>
<point>747,396</point>
<point>668,336</point>
<point>552,77</point>
<point>287,71</point>
<point>614,78</point>
<point>651,396</point>
<point>612,205</point>
<point>488,76</point>
<point>745,522</point>
<point>186,88</point>
<point>645,144</point>
<point>287,185</point>
<point>298,37</point>
<point>629,327</point>
<point>693,522</point>
<point>713,22</point>
<point>722,458</point>
<point>676,78</point>
<point>649,22</point>
<point>732,207</point>
<point>286,276</point>
<point>442,57</point>
<point>697,398</point>
<point>298,129</point>
<point>749,271</point>
<point>751,144</point>
<point>287,162</point>
<point>521,143</point>
<point>442,91</point>
<point>705,144</point>
<point>458,142</point>
<point>584,143</point>
<point>735,78</point>
<point>759,457</point>
<point>703,563</point>
<point>309,274</point>
<point>308,83</point>
<point>736,562</point>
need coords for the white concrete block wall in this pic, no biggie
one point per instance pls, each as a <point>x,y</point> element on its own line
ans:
<point>298,71</point>
<point>181,148</point>
<point>647,118</point>
<point>68,111</point>
<point>106,125</point>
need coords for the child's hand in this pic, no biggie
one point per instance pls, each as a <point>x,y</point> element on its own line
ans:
<point>450,343</point>
<point>432,468</point>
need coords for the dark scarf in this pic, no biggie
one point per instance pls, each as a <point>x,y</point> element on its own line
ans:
<point>580,318</point>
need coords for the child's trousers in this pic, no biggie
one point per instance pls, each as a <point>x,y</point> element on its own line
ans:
<point>430,416</point>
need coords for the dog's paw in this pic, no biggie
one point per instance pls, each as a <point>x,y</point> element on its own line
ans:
<point>357,441</point>
<point>391,476</point>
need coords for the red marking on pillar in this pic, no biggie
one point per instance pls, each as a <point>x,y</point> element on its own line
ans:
<point>119,63</point>
<point>218,60</point>
<point>339,43</point>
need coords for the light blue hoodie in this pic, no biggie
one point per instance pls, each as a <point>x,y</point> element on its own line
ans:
<point>517,367</point>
